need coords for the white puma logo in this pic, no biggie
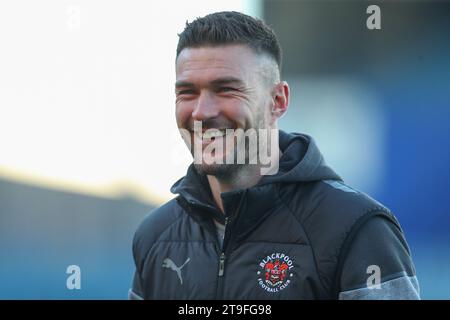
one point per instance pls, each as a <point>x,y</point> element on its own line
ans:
<point>168,263</point>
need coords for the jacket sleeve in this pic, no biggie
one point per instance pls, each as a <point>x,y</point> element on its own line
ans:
<point>135,293</point>
<point>377,264</point>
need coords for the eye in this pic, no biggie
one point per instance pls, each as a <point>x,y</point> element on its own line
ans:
<point>187,91</point>
<point>226,89</point>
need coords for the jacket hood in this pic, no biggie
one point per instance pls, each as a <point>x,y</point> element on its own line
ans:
<point>301,161</point>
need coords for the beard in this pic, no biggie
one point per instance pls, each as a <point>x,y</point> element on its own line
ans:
<point>222,172</point>
<point>243,156</point>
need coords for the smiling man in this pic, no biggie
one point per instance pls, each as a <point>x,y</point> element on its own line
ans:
<point>259,215</point>
<point>232,94</point>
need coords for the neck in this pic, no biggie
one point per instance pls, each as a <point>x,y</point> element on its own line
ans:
<point>245,178</point>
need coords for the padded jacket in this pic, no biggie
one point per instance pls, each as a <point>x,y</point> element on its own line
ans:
<point>299,234</point>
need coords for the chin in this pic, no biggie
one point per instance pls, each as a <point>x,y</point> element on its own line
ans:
<point>218,170</point>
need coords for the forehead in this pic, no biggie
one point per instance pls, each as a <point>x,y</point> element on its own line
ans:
<point>208,63</point>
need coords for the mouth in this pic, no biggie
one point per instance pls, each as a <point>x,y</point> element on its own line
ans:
<point>207,135</point>
<point>214,142</point>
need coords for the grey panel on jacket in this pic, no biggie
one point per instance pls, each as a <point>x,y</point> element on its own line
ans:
<point>402,288</point>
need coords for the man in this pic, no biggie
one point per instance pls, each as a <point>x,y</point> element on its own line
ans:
<point>257,229</point>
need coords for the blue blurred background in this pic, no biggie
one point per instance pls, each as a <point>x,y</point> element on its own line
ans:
<point>376,101</point>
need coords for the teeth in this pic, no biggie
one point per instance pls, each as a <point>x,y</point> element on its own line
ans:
<point>213,133</point>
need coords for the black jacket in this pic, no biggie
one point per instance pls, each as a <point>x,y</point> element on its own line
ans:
<point>299,234</point>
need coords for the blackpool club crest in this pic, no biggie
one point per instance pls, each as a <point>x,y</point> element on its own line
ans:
<point>275,272</point>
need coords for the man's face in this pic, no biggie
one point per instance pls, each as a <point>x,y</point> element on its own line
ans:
<point>224,87</point>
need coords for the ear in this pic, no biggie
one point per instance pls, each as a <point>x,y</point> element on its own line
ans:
<point>280,101</point>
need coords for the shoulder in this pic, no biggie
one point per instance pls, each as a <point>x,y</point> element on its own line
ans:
<point>154,225</point>
<point>331,205</point>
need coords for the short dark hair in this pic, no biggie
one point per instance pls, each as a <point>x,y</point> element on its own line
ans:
<point>230,27</point>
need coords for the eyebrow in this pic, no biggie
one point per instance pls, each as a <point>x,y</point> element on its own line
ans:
<point>214,83</point>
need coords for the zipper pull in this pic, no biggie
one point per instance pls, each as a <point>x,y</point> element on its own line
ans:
<point>221,264</point>
<point>224,231</point>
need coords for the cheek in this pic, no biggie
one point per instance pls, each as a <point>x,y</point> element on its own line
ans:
<point>266,112</point>
<point>238,112</point>
<point>183,111</point>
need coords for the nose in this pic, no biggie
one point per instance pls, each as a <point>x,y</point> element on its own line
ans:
<point>206,107</point>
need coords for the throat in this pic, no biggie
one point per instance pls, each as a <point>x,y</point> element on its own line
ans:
<point>243,180</point>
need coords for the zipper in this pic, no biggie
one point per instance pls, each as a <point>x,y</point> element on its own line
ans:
<point>222,259</point>
<point>222,254</point>
<point>225,244</point>
<point>221,264</point>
